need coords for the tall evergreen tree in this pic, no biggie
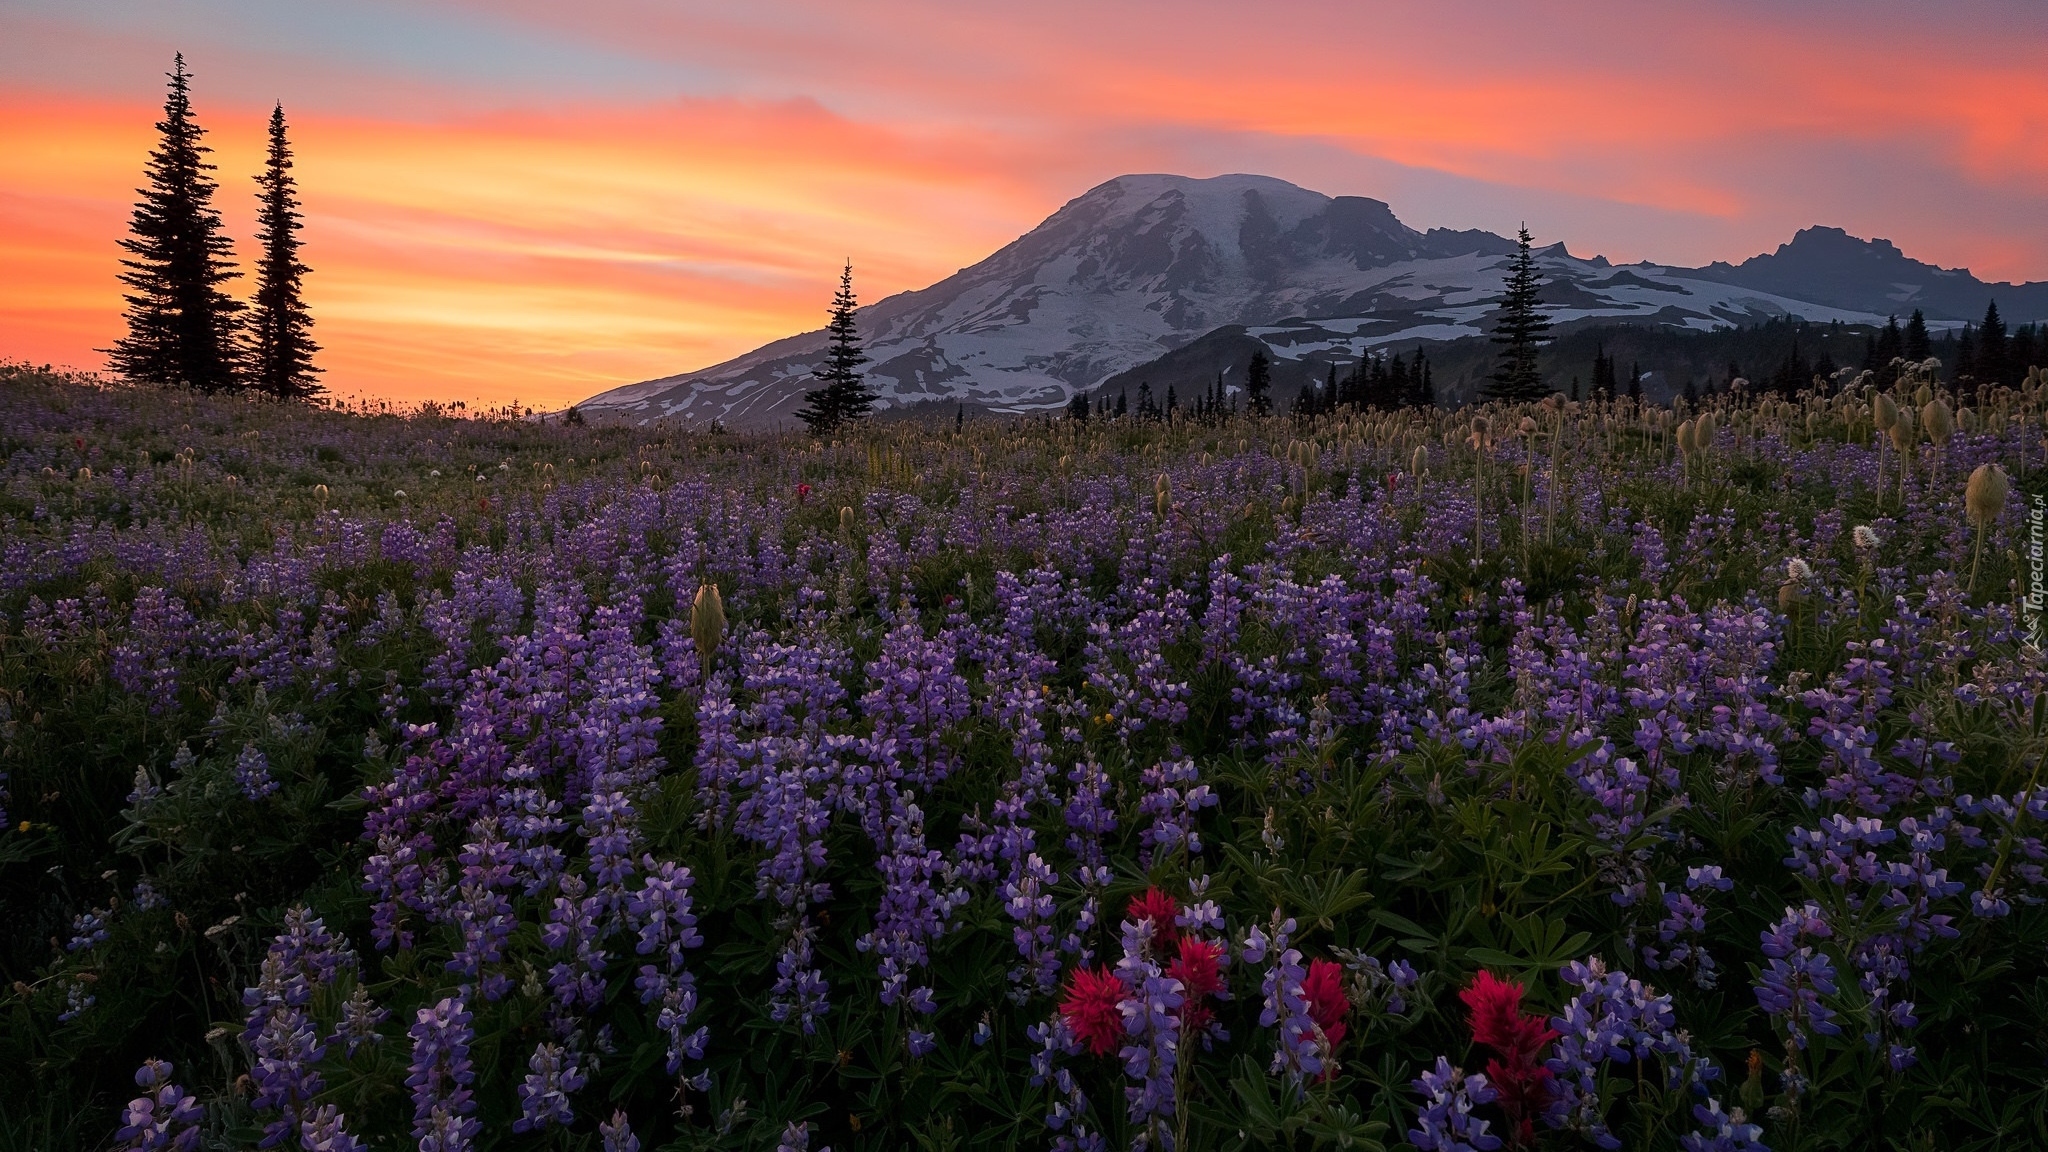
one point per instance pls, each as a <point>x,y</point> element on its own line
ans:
<point>1521,330</point>
<point>2022,352</point>
<point>1915,344</point>
<point>1991,348</point>
<point>1603,373</point>
<point>1891,342</point>
<point>1077,408</point>
<point>845,397</point>
<point>181,325</point>
<point>1421,382</point>
<point>1258,381</point>
<point>1635,383</point>
<point>280,333</point>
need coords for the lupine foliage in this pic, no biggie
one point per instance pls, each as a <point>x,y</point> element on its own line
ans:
<point>1571,774</point>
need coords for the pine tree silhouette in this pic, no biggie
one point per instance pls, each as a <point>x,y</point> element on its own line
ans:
<point>1916,342</point>
<point>845,397</point>
<point>280,332</point>
<point>181,326</point>
<point>1521,330</point>
<point>1258,380</point>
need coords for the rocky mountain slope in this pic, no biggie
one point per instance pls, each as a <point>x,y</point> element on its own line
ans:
<point>1140,266</point>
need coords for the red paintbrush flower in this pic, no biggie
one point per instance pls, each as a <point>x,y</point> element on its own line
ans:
<point>1091,1010</point>
<point>1497,1022</point>
<point>1160,908</point>
<point>802,492</point>
<point>1200,972</point>
<point>1327,1004</point>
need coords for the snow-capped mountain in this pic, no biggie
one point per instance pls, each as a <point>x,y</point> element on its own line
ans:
<point>1142,265</point>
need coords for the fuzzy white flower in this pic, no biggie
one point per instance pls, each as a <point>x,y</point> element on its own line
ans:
<point>1798,569</point>
<point>399,494</point>
<point>1864,535</point>
<point>434,472</point>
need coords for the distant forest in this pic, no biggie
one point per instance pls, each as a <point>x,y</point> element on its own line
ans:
<point>1662,363</point>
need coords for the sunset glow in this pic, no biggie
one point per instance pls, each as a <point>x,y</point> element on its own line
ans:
<point>534,202</point>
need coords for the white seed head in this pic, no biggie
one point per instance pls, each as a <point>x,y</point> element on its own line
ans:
<point>1984,496</point>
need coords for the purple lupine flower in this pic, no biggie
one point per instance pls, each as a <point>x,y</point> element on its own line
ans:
<point>1173,798</point>
<point>1613,1018</point>
<point>1722,1131</point>
<point>280,1030</point>
<point>1797,974</point>
<point>797,1138</point>
<point>440,1077</point>
<point>164,1116</point>
<point>800,990</point>
<point>359,1019</point>
<point>1298,1051</point>
<point>252,773</point>
<point>660,914</point>
<point>553,1075</point>
<point>325,1130</point>
<point>89,929</point>
<point>1445,1122</point>
<point>1068,1117</point>
<point>617,1134</point>
<point>1151,1013</point>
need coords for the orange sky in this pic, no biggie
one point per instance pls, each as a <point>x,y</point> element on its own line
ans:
<point>526,201</point>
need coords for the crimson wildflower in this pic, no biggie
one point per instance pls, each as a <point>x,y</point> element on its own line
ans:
<point>1200,972</point>
<point>1518,1072</point>
<point>1161,908</point>
<point>1327,1004</point>
<point>1091,1009</point>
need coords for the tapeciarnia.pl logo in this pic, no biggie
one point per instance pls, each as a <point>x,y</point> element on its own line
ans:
<point>2036,599</point>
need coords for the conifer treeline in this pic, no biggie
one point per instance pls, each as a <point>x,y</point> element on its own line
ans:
<point>184,329</point>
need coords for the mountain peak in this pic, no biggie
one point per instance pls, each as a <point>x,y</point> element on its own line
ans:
<point>1145,264</point>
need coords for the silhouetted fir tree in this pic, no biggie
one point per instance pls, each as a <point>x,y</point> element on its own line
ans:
<point>1421,382</point>
<point>1077,408</point>
<point>1692,392</point>
<point>1123,402</point>
<point>1915,341</point>
<point>1889,345</point>
<point>1520,331</point>
<point>1258,381</point>
<point>845,397</point>
<point>959,417</point>
<point>1635,383</point>
<point>1575,386</point>
<point>1172,401</point>
<point>1991,348</point>
<point>2022,352</point>
<point>181,326</point>
<point>1603,372</point>
<point>280,331</point>
<point>1961,354</point>
<point>1396,393</point>
<point>1145,409</point>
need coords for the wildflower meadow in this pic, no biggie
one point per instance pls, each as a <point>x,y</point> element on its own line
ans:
<point>1557,775</point>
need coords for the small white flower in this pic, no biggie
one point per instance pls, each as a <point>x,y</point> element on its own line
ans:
<point>1799,569</point>
<point>399,494</point>
<point>434,472</point>
<point>1864,535</point>
<point>480,478</point>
